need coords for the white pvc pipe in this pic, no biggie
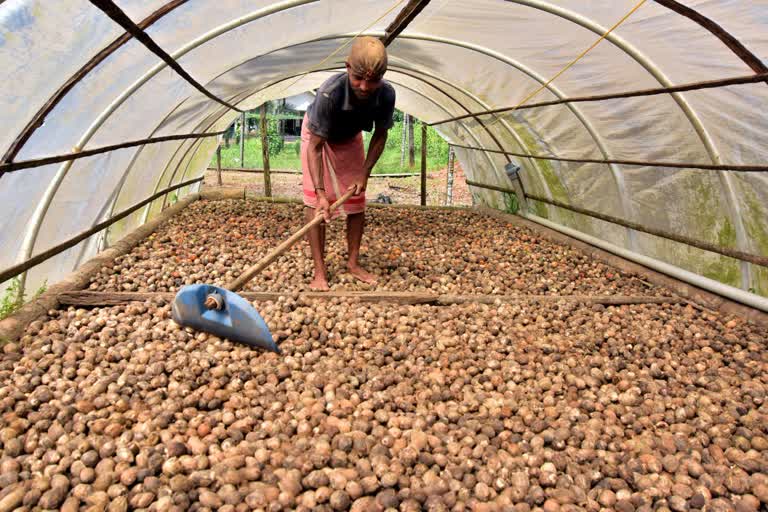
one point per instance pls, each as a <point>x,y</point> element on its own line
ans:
<point>733,293</point>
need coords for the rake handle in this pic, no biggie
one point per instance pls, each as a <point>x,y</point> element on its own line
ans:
<point>280,249</point>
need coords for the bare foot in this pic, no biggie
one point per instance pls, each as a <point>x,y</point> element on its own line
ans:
<point>361,274</point>
<point>319,284</point>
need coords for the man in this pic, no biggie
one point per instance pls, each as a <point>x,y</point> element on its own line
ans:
<point>333,158</point>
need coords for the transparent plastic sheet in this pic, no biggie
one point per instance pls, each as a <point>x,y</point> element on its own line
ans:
<point>42,44</point>
<point>162,164</point>
<point>20,193</point>
<point>139,9</point>
<point>235,64</point>
<point>69,214</point>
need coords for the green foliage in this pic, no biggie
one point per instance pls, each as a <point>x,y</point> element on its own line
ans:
<point>41,290</point>
<point>294,147</point>
<point>511,205</point>
<point>13,299</point>
<point>284,155</point>
<point>274,138</point>
<point>389,163</point>
<point>394,137</point>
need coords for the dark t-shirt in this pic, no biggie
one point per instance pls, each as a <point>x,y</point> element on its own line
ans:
<point>334,116</point>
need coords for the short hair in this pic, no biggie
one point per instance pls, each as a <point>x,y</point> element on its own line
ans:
<point>368,56</point>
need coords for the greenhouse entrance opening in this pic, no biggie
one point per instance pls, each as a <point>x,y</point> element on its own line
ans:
<point>396,177</point>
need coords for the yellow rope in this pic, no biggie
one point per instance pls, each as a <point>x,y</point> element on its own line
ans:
<point>524,100</point>
<point>574,61</point>
<point>337,50</point>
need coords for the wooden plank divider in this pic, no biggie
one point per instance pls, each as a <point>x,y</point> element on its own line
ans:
<point>107,298</point>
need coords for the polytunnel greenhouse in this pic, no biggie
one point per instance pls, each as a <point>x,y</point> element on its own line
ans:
<point>587,331</point>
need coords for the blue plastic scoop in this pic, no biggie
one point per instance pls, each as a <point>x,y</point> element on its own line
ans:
<point>224,313</point>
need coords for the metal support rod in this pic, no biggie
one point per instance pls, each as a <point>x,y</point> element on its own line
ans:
<point>163,205</point>
<point>488,186</point>
<point>672,165</point>
<point>724,290</point>
<point>218,164</point>
<point>423,164</point>
<point>403,129</point>
<point>53,251</point>
<point>242,139</point>
<point>449,185</point>
<point>706,246</point>
<point>265,151</point>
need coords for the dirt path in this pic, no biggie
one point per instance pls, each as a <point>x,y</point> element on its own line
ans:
<point>399,190</point>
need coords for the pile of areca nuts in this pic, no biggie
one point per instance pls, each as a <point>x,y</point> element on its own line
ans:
<point>440,251</point>
<point>387,407</point>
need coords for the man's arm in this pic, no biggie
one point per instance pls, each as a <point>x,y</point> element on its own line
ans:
<point>375,148</point>
<point>315,159</point>
<point>315,155</point>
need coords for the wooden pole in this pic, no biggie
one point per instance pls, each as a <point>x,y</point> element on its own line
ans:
<point>411,144</point>
<point>39,162</point>
<point>671,165</point>
<point>423,164</point>
<point>693,86</point>
<point>121,18</point>
<point>218,164</point>
<point>265,151</point>
<point>53,251</point>
<point>706,246</point>
<point>278,171</point>
<point>449,185</point>
<point>403,140</point>
<point>242,139</point>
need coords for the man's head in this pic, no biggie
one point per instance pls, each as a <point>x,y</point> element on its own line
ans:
<point>366,65</point>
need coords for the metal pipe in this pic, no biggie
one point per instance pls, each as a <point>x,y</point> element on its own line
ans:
<point>242,139</point>
<point>203,127</point>
<point>38,216</point>
<point>687,276</point>
<point>726,180</point>
<point>618,177</point>
<point>449,181</point>
<point>423,164</point>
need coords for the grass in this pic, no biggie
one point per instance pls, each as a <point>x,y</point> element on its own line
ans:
<point>13,299</point>
<point>288,158</point>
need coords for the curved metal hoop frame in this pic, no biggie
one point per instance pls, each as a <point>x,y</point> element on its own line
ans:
<point>725,178</point>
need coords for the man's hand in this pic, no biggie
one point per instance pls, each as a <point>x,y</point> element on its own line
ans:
<point>323,207</point>
<point>360,186</point>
